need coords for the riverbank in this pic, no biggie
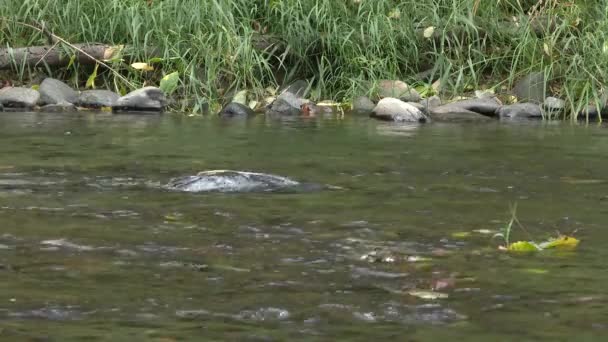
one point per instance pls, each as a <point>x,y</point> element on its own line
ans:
<point>342,48</point>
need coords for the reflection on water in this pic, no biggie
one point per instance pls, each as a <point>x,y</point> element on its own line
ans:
<point>92,247</point>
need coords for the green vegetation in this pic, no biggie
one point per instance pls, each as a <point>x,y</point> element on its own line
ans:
<point>339,45</point>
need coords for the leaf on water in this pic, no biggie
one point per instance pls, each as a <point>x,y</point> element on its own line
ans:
<point>535,270</point>
<point>106,109</point>
<point>142,66</point>
<point>460,235</point>
<point>169,83</point>
<point>484,231</point>
<point>572,180</point>
<point>240,97</point>
<point>523,246</point>
<point>428,32</point>
<point>91,80</point>
<point>561,241</point>
<point>432,295</point>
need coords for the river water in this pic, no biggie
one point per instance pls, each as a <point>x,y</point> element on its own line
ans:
<point>92,249</point>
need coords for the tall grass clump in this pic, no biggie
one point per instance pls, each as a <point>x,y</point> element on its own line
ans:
<point>339,45</point>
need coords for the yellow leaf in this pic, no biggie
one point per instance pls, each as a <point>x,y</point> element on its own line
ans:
<point>460,235</point>
<point>428,294</point>
<point>142,66</point>
<point>522,246</point>
<point>535,270</point>
<point>561,241</point>
<point>428,32</point>
<point>395,14</point>
<point>91,80</point>
<point>546,49</point>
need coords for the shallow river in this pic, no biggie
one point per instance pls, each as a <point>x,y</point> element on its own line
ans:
<point>92,249</point>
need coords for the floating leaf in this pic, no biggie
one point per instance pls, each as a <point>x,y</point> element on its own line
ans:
<point>561,241</point>
<point>523,246</point>
<point>535,270</point>
<point>169,83</point>
<point>428,294</point>
<point>91,80</point>
<point>460,235</point>
<point>484,231</point>
<point>142,66</point>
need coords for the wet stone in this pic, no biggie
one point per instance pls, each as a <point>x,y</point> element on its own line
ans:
<point>61,107</point>
<point>19,97</point>
<point>520,110</point>
<point>392,109</point>
<point>362,105</point>
<point>147,99</point>
<point>97,98</point>
<point>53,91</point>
<point>234,109</point>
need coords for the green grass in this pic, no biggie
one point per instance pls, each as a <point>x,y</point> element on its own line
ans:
<point>339,45</point>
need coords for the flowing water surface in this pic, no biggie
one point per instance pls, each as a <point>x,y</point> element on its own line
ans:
<point>91,248</point>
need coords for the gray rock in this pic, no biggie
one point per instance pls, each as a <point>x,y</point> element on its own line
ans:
<point>61,107</point>
<point>531,88</point>
<point>287,104</point>
<point>431,103</point>
<point>234,109</point>
<point>97,98</point>
<point>362,105</point>
<point>399,90</point>
<point>590,112</point>
<point>392,109</point>
<point>147,99</point>
<point>54,91</point>
<point>553,104</point>
<point>525,110</point>
<point>484,106</point>
<point>230,181</point>
<point>19,97</point>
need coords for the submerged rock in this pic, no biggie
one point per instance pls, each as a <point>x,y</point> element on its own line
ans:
<point>287,104</point>
<point>430,103</point>
<point>520,111</point>
<point>60,107</point>
<point>235,109</point>
<point>531,88</point>
<point>53,91</point>
<point>231,181</point>
<point>467,110</point>
<point>392,109</point>
<point>147,99</point>
<point>19,97</point>
<point>97,98</point>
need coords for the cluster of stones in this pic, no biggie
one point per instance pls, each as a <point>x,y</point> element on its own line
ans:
<point>401,103</point>
<point>56,96</point>
<point>398,102</point>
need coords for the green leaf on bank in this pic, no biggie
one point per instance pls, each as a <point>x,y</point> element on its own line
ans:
<point>169,83</point>
<point>91,80</point>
